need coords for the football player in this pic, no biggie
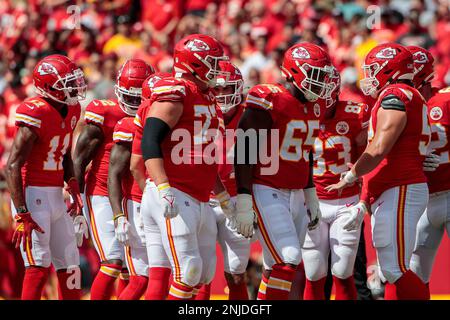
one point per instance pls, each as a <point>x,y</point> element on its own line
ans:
<point>39,164</point>
<point>94,144</point>
<point>278,197</point>
<point>235,247</point>
<point>342,138</point>
<point>158,263</point>
<point>179,130</point>
<point>394,182</point>
<point>436,218</point>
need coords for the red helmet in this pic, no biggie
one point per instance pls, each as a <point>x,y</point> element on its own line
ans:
<point>384,64</point>
<point>58,78</point>
<point>200,55</point>
<point>227,101</point>
<point>149,83</point>
<point>309,67</point>
<point>423,66</point>
<point>128,87</point>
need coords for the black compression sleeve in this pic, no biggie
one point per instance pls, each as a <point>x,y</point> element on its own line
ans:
<point>155,130</point>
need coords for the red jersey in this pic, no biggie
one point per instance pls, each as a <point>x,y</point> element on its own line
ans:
<point>439,116</point>
<point>44,167</point>
<point>336,146</point>
<point>139,122</point>
<point>104,114</point>
<point>226,167</point>
<point>124,133</point>
<point>296,126</point>
<point>187,148</point>
<point>403,164</point>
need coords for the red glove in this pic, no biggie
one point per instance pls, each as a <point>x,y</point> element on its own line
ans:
<point>74,190</point>
<point>25,227</point>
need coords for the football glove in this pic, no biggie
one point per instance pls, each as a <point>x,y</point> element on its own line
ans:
<point>228,208</point>
<point>244,215</point>
<point>312,204</point>
<point>81,229</point>
<point>431,162</point>
<point>122,227</point>
<point>23,232</point>
<point>76,205</point>
<point>356,215</point>
<point>168,201</point>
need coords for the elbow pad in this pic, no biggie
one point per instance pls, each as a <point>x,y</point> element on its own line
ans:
<point>155,130</point>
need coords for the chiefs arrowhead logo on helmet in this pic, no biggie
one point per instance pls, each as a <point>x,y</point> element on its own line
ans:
<point>197,45</point>
<point>46,68</point>
<point>300,53</point>
<point>386,53</point>
<point>420,57</point>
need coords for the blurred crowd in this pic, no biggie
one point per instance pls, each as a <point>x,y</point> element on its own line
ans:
<point>100,35</point>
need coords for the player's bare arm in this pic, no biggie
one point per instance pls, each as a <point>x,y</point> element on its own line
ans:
<point>89,140</point>
<point>21,149</point>
<point>251,119</point>
<point>162,117</point>
<point>137,168</point>
<point>390,124</point>
<point>118,165</point>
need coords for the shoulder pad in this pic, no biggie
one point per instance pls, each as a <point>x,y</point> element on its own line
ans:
<point>170,89</point>
<point>261,96</point>
<point>124,130</point>
<point>29,113</point>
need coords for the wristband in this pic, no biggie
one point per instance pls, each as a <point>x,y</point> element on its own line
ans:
<point>350,177</point>
<point>121,214</point>
<point>163,186</point>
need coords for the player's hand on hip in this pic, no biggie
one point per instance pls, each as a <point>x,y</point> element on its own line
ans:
<point>244,215</point>
<point>168,200</point>
<point>81,229</point>
<point>431,162</point>
<point>24,230</point>
<point>76,204</point>
<point>122,227</point>
<point>312,204</point>
<point>356,215</point>
<point>228,208</point>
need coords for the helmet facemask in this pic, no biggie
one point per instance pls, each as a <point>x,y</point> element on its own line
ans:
<point>317,83</point>
<point>214,71</point>
<point>129,99</point>
<point>228,101</point>
<point>73,86</point>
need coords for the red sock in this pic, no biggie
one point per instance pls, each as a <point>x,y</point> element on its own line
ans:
<point>237,291</point>
<point>301,280</point>
<point>315,290</point>
<point>179,291</point>
<point>135,288</point>
<point>33,282</point>
<point>124,280</point>
<point>411,287</point>
<point>67,290</point>
<point>204,293</point>
<point>262,288</point>
<point>280,280</point>
<point>158,283</point>
<point>345,288</point>
<point>103,286</point>
<point>390,291</point>
<point>428,290</point>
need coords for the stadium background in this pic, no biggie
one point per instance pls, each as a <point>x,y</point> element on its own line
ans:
<point>100,35</point>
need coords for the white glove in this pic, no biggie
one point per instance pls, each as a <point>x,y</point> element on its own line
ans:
<point>312,204</point>
<point>244,214</point>
<point>121,229</point>
<point>228,208</point>
<point>431,162</point>
<point>356,215</point>
<point>81,229</point>
<point>168,201</point>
